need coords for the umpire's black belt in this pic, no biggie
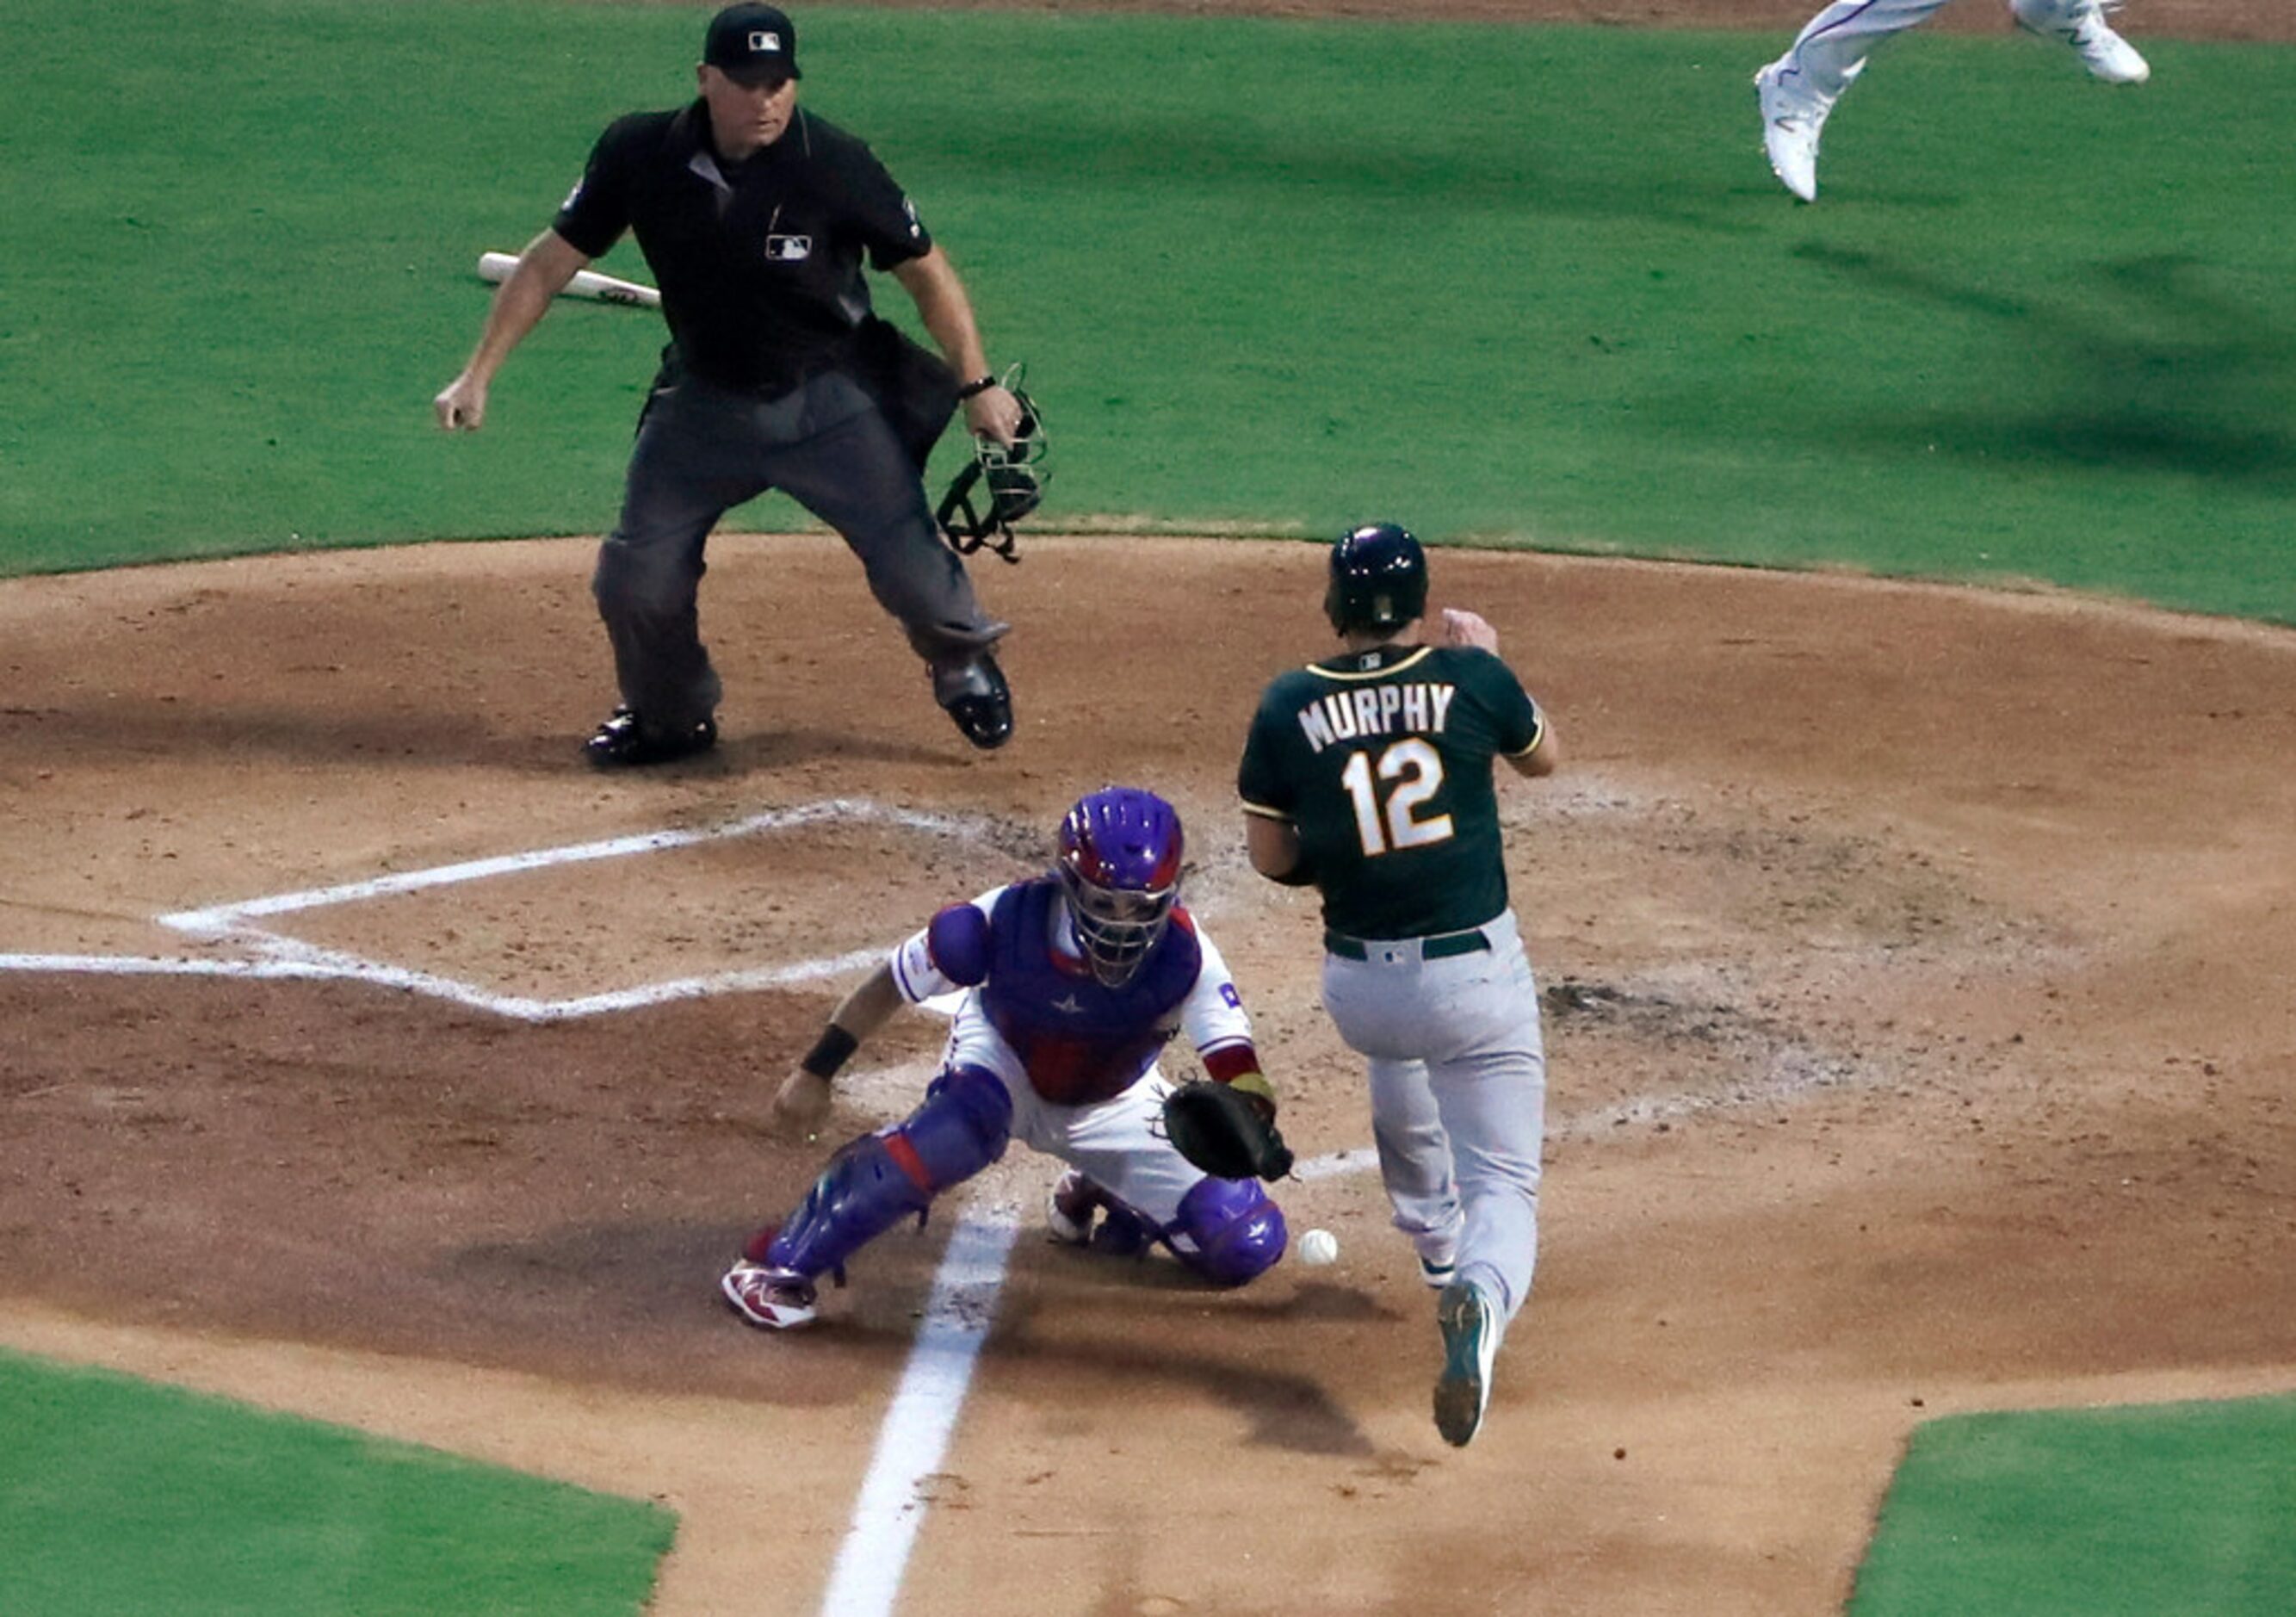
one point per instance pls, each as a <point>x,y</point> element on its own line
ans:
<point>1442,946</point>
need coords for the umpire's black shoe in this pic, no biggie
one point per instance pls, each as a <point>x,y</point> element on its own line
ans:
<point>626,742</point>
<point>984,710</point>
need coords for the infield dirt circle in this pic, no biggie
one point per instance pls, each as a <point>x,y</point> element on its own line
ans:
<point>1915,961</point>
<point>1915,965</point>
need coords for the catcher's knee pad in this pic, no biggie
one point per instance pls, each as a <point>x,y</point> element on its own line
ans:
<point>963,1126</point>
<point>1228,1231</point>
<point>881,1179</point>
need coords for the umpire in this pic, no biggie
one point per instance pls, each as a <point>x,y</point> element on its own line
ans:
<point>754,216</point>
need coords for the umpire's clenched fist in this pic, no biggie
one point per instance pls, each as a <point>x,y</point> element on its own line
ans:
<point>462,404</point>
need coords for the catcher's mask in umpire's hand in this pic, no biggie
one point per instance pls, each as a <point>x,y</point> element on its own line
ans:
<point>1012,479</point>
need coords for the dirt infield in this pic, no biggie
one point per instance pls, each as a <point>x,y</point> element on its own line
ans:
<point>1917,966</point>
<point>1915,963</point>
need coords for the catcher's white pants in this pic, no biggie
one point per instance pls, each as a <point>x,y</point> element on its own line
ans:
<point>1833,45</point>
<point>1115,1142</point>
<point>1458,1097</point>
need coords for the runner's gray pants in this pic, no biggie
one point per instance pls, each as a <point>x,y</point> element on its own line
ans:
<point>1458,1097</point>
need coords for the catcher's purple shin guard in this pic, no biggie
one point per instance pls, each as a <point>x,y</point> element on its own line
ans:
<point>881,1179</point>
<point>1229,1231</point>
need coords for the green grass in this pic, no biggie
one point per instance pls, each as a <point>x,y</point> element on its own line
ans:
<point>117,1496</point>
<point>1519,286</point>
<point>2182,1510</point>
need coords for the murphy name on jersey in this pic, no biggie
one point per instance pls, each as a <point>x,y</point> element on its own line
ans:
<point>1419,708</point>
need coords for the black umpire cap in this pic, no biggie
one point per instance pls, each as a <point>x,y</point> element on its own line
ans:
<point>753,43</point>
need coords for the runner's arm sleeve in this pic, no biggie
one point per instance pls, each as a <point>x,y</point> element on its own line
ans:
<point>1260,780</point>
<point>1269,793</point>
<point>1519,728</point>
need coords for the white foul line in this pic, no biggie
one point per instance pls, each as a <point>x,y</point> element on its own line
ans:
<point>276,955</point>
<point>866,1579</point>
<point>226,917</point>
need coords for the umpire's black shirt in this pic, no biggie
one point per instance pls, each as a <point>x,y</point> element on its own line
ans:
<point>758,262</point>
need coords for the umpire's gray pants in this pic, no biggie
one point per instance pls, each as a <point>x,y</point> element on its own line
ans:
<point>1458,1097</point>
<point>704,449</point>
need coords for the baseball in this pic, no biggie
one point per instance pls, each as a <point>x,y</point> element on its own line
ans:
<point>1318,1247</point>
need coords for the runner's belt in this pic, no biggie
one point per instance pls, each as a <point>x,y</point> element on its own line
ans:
<point>1440,947</point>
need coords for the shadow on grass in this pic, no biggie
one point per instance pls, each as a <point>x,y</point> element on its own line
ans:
<point>2200,401</point>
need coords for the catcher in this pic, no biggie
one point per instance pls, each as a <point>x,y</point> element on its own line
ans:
<point>1072,983</point>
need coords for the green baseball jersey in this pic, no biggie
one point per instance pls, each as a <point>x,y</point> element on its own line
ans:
<point>1382,761</point>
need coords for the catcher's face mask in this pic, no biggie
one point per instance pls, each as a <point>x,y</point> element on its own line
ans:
<point>1117,926</point>
<point>1120,869</point>
<point>999,486</point>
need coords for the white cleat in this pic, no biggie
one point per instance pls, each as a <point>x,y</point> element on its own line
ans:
<point>2081,24</point>
<point>1791,117</point>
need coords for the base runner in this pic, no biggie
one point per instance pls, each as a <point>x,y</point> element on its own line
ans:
<point>1368,775</point>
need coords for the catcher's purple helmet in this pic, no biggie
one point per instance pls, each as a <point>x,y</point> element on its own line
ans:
<point>1120,865</point>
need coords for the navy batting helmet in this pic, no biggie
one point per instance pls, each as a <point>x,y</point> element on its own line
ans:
<point>1120,866</point>
<point>1379,579</point>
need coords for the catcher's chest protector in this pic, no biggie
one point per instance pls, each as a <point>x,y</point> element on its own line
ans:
<point>1080,1040</point>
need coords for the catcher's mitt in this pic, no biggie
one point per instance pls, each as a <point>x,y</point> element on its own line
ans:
<point>1011,480</point>
<point>1229,1133</point>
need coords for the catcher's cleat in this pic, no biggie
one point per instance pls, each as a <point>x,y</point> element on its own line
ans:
<point>1071,1206</point>
<point>1471,1339</point>
<point>1079,1212</point>
<point>626,741</point>
<point>980,702</point>
<point>771,1299</point>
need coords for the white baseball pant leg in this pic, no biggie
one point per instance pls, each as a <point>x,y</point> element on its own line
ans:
<point>1114,1142</point>
<point>1832,45</point>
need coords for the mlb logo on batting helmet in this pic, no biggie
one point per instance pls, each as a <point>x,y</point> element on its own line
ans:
<point>753,43</point>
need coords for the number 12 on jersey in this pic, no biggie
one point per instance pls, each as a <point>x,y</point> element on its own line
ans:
<point>1417,768</point>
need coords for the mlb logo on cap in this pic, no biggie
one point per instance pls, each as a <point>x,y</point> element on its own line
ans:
<point>755,43</point>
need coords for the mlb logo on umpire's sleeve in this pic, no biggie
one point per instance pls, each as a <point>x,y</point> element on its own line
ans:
<point>787,250</point>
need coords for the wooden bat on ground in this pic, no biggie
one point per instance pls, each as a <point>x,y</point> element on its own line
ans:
<point>586,283</point>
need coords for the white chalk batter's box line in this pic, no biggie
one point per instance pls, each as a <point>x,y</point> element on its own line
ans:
<point>275,955</point>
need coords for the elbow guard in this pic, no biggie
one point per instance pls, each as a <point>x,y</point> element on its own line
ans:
<point>957,939</point>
